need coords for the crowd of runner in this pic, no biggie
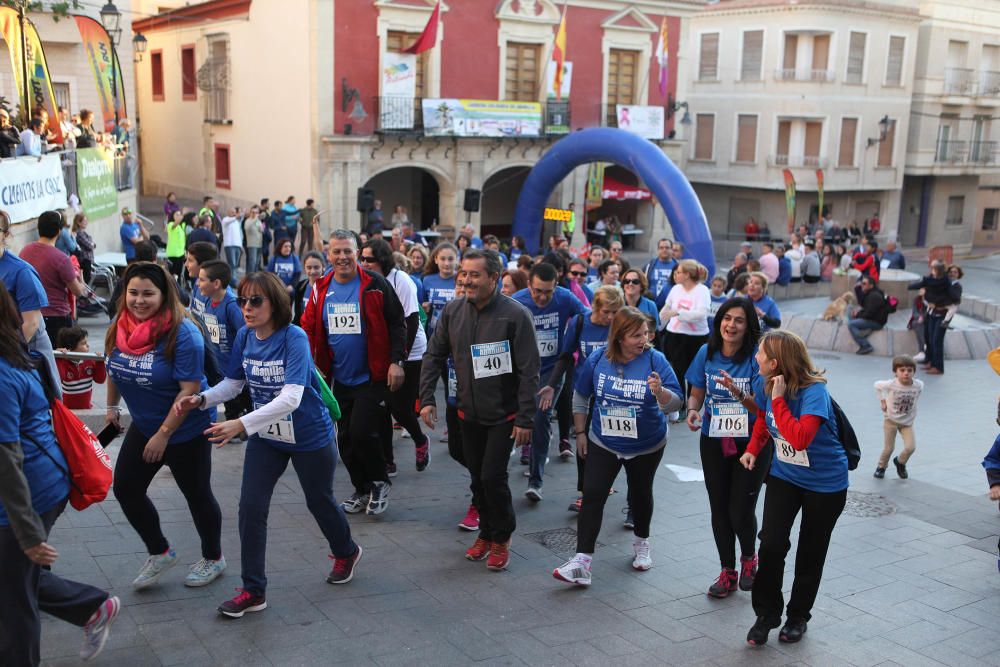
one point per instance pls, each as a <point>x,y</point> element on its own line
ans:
<point>322,355</point>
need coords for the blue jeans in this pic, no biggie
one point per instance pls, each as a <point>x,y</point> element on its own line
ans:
<point>253,259</point>
<point>541,434</point>
<point>262,466</point>
<point>233,254</point>
<point>935,341</point>
<point>860,330</point>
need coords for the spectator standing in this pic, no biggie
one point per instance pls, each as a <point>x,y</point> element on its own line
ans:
<point>88,136</point>
<point>940,293</point>
<point>307,219</point>
<point>170,205</point>
<point>176,240</point>
<point>375,221</point>
<point>31,138</point>
<point>86,245</point>
<point>58,275</point>
<point>399,216</point>
<point>276,223</point>
<point>232,238</point>
<point>292,218</point>
<point>253,235</point>
<point>131,232</point>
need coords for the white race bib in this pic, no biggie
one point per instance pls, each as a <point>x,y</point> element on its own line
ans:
<point>452,383</point>
<point>548,342</point>
<point>213,328</point>
<point>789,454</point>
<point>281,430</point>
<point>729,420</point>
<point>619,422</point>
<point>343,319</point>
<point>489,359</point>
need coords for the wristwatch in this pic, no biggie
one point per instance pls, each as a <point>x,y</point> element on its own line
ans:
<point>201,400</point>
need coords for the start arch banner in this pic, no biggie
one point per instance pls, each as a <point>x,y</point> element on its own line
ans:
<point>29,186</point>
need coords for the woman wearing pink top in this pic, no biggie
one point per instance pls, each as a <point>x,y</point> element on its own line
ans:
<point>686,314</point>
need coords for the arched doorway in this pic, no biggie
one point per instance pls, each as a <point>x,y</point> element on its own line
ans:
<point>414,188</point>
<point>625,197</point>
<point>500,192</point>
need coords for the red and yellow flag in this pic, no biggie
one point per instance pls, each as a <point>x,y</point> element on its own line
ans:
<point>429,37</point>
<point>559,55</point>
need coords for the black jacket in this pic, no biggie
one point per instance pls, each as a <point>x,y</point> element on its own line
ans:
<point>9,141</point>
<point>874,307</point>
<point>940,292</point>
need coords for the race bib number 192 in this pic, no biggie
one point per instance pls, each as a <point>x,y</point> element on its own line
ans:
<point>343,318</point>
<point>489,359</point>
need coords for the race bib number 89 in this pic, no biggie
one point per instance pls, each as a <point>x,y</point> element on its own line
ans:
<point>489,359</point>
<point>789,454</point>
<point>619,422</point>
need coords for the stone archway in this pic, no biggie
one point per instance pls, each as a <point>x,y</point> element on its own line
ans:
<point>414,187</point>
<point>499,195</point>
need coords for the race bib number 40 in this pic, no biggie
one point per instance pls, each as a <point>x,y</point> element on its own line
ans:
<point>343,319</point>
<point>729,421</point>
<point>489,359</point>
<point>789,454</point>
<point>619,422</point>
<point>548,342</point>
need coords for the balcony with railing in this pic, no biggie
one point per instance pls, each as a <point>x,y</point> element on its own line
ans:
<point>984,152</point>
<point>971,153</point>
<point>989,84</point>
<point>813,75</point>
<point>950,151</point>
<point>959,81</point>
<point>805,161</point>
<point>405,115</point>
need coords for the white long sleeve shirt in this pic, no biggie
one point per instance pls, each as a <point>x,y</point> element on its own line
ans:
<point>284,404</point>
<point>692,308</point>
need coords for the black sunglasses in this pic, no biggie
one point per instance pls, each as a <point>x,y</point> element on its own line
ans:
<point>578,274</point>
<point>368,259</point>
<point>631,281</point>
<point>255,301</point>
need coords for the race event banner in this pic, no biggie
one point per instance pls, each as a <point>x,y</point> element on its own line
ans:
<point>647,122</point>
<point>399,87</point>
<point>29,186</point>
<point>595,185</point>
<point>97,46</point>
<point>39,81</point>
<point>789,198</point>
<point>564,85</point>
<point>95,182</point>
<point>481,118</point>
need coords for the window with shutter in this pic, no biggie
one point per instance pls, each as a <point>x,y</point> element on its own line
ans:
<point>814,139</point>
<point>821,56</point>
<point>784,140</point>
<point>522,72</point>
<point>956,207</point>
<point>622,68</point>
<point>753,48</point>
<point>894,66</point>
<point>61,92</point>
<point>156,74</point>
<point>885,148</point>
<point>704,136</point>
<point>222,177</point>
<point>856,58</point>
<point>189,75</point>
<point>791,49</point>
<point>395,42</point>
<point>848,139</point>
<point>708,62</point>
<point>746,138</point>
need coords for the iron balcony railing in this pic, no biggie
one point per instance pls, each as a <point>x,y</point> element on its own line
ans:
<point>812,161</point>
<point>959,81</point>
<point>951,151</point>
<point>814,75</point>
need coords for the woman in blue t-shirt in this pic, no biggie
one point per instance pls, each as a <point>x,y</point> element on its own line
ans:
<point>285,264</point>
<point>623,391</point>
<point>767,309</point>
<point>289,422</point>
<point>33,493</point>
<point>315,268</point>
<point>439,281</point>
<point>808,473</point>
<point>720,377</point>
<point>156,355</point>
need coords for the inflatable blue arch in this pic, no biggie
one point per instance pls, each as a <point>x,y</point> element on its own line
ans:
<point>642,157</point>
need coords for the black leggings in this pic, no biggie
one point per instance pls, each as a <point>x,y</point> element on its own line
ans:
<point>564,407</point>
<point>191,465</point>
<point>680,350</point>
<point>732,495</point>
<point>403,401</point>
<point>820,512</point>
<point>602,468</point>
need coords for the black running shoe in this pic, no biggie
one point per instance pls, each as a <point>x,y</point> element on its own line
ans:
<point>792,631</point>
<point>629,521</point>
<point>760,630</point>
<point>900,468</point>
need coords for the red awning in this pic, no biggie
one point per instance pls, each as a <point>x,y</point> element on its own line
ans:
<point>620,192</point>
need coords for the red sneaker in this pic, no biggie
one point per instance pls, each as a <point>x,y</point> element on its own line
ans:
<point>244,602</point>
<point>725,584</point>
<point>423,455</point>
<point>471,520</point>
<point>343,568</point>
<point>499,556</point>
<point>479,550</point>
<point>748,572</point>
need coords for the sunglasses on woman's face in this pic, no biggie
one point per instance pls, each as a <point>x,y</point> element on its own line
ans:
<point>255,301</point>
<point>578,274</point>
<point>631,281</point>
<point>368,259</point>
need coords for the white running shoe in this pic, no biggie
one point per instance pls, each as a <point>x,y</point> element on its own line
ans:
<point>95,632</point>
<point>205,572</point>
<point>153,569</point>
<point>642,561</point>
<point>576,571</point>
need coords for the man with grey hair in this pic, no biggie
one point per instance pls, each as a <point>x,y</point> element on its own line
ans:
<point>357,335</point>
<point>739,266</point>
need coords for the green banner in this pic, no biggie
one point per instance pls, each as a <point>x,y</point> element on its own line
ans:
<point>95,182</point>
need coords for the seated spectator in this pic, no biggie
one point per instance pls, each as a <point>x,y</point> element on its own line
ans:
<point>10,138</point>
<point>31,138</point>
<point>871,316</point>
<point>769,263</point>
<point>739,266</point>
<point>891,257</point>
<point>811,268</point>
<point>784,265</point>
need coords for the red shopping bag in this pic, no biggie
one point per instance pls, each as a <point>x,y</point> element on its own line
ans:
<point>90,469</point>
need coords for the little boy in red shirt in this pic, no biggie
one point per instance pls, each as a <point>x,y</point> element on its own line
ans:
<point>78,377</point>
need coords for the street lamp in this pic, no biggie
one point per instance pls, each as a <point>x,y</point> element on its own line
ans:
<point>110,19</point>
<point>673,106</point>
<point>883,126</point>
<point>139,45</point>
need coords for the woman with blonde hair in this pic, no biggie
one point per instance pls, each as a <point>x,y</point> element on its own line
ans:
<point>808,474</point>
<point>686,315</point>
<point>620,400</point>
<point>767,309</point>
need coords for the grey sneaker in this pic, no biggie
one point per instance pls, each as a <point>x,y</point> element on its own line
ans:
<point>533,494</point>
<point>205,572</point>
<point>356,503</point>
<point>153,569</point>
<point>379,500</point>
<point>95,632</point>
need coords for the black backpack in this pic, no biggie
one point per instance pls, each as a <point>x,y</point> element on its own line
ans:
<point>847,436</point>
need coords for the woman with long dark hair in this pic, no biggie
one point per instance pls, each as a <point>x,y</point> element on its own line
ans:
<point>808,474</point>
<point>33,493</point>
<point>156,355</point>
<point>720,377</point>
<point>314,265</point>
<point>439,281</point>
<point>289,422</point>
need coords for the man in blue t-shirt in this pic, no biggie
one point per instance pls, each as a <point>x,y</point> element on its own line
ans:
<point>551,307</point>
<point>131,232</point>
<point>660,269</point>
<point>222,319</point>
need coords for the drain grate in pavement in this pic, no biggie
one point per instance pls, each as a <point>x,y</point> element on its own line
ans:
<point>868,505</point>
<point>824,355</point>
<point>559,540</point>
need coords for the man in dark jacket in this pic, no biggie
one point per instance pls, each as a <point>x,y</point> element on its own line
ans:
<point>357,335</point>
<point>491,338</point>
<point>872,315</point>
<point>10,139</point>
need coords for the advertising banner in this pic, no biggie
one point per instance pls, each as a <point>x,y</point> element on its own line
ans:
<point>562,92</point>
<point>97,46</point>
<point>95,182</point>
<point>790,198</point>
<point>481,118</point>
<point>29,186</point>
<point>819,192</point>
<point>647,122</point>
<point>399,87</point>
<point>595,185</point>
<point>39,81</point>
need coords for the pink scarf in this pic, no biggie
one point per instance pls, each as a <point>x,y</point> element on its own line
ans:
<point>135,337</point>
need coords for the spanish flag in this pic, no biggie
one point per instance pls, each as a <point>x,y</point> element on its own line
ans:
<point>559,55</point>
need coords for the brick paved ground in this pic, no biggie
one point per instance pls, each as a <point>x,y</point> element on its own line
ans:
<point>916,587</point>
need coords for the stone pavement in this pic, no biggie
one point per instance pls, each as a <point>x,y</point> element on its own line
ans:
<point>911,578</point>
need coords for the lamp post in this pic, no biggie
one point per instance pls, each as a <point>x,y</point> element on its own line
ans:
<point>110,18</point>
<point>139,45</point>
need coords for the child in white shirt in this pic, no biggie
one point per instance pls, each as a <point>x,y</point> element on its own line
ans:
<point>899,405</point>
